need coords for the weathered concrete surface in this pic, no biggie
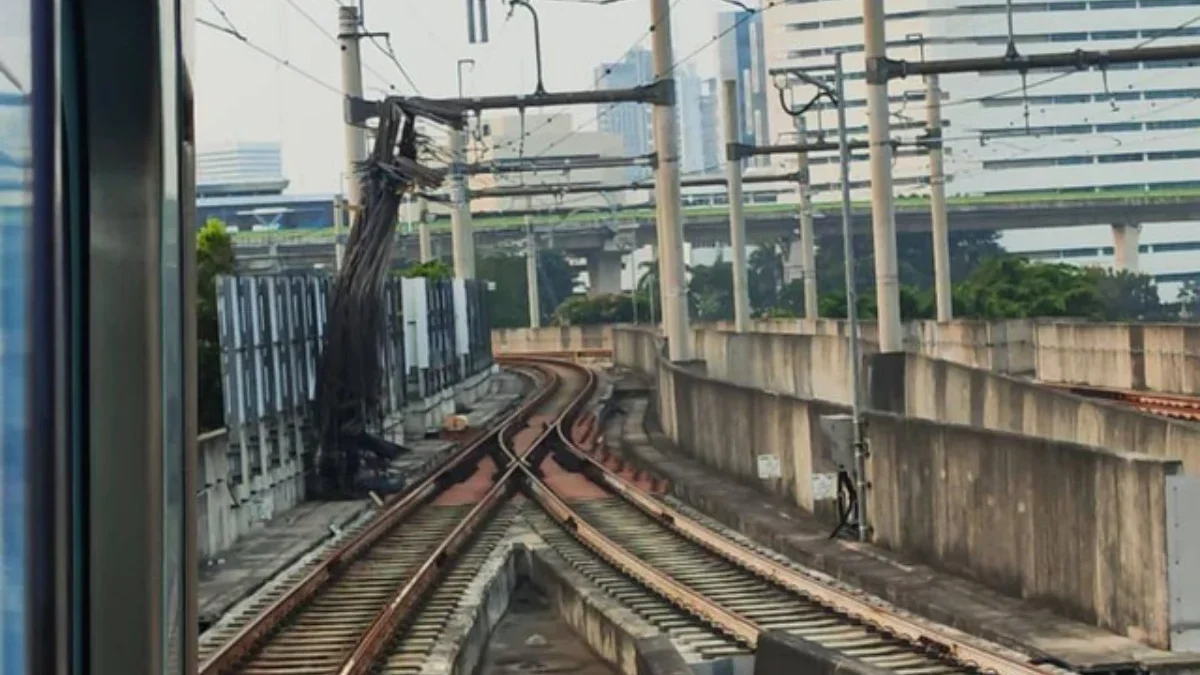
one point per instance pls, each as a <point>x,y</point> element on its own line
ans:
<point>1153,357</point>
<point>920,386</point>
<point>657,656</point>
<point>551,339</point>
<point>809,366</point>
<point>781,653</point>
<point>1077,528</point>
<point>225,511</point>
<point>960,603</point>
<point>611,630</point>
<point>531,638</point>
<point>275,546</point>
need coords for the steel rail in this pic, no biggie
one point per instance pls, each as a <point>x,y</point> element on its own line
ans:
<point>733,624</point>
<point>406,599</point>
<point>823,594</point>
<point>1176,406</point>
<point>226,657</point>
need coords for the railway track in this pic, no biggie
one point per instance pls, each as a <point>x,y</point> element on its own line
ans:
<point>1165,405</point>
<point>379,602</point>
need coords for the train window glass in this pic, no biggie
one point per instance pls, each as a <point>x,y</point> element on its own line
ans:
<point>173,363</point>
<point>16,215</point>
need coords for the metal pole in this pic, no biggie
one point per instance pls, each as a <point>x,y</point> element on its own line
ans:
<point>737,213</point>
<point>352,88</point>
<point>937,201</point>
<point>339,247</point>
<point>423,234</point>
<point>531,269</point>
<point>860,455</point>
<point>462,239</point>
<point>883,207</point>
<point>808,243</point>
<point>669,193</point>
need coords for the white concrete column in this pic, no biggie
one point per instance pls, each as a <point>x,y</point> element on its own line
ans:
<point>1126,239</point>
<point>604,273</point>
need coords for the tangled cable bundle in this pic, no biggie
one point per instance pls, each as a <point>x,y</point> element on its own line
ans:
<point>349,381</point>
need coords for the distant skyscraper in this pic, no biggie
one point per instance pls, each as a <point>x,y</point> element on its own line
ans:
<point>630,121</point>
<point>710,131</point>
<point>691,124</point>
<point>744,56</point>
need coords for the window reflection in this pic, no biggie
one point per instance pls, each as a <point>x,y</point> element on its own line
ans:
<point>15,225</point>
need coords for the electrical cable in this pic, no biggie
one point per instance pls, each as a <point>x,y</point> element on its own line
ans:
<point>267,53</point>
<point>349,393</point>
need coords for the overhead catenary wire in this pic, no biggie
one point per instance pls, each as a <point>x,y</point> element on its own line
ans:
<point>233,32</point>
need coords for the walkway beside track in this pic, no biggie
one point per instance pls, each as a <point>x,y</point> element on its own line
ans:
<point>281,541</point>
<point>787,529</point>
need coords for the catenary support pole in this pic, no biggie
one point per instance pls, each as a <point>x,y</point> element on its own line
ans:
<point>352,88</point>
<point>883,207</point>
<point>808,243</point>
<point>531,268</point>
<point>860,449</point>
<point>669,193</point>
<point>423,234</point>
<point>737,213</point>
<point>462,238</point>
<point>939,214</point>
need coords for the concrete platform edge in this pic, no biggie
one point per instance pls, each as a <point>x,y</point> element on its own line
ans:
<point>781,653</point>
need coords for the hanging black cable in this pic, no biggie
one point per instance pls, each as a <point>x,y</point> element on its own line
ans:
<point>349,383</point>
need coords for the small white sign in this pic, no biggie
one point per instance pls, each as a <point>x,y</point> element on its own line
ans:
<point>769,467</point>
<point>824,486</point>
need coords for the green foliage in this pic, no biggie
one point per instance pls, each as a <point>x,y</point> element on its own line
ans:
<point>510,301</point>
<point>585,311</point>
<point>433,269</point>
<point>214,256</point>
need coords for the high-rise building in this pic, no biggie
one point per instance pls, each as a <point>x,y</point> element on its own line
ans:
<point>697,120</point>
<point>509,139</point>
<point>630,121</point>
<point>1130,127</point>
<point>743,57</point>
<point>710,126</point>
<point>243,168</point>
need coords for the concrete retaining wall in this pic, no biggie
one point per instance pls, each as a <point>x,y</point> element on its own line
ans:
<point>808,366</point>
<point>730,427</point>
<point>551,339</point>
<point>1153,357</point>
<point>919,386</point>
<point>1079,528</point>
<point>222,516</point>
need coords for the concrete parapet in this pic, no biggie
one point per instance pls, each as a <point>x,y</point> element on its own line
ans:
<point>551,339</point>
<point>767,439</point>
<point>781,653</point>
<point>934,389</point>
<point>225,511</point>
<point>1078,528</point>
<point>809,366</point>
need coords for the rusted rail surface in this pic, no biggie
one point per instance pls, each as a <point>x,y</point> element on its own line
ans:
<point>250,638</point>
<point>838,601</point>
<point>375,640</point>
<point>1176,406</point>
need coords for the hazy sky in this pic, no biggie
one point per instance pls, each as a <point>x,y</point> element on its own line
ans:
<point>245,95</point>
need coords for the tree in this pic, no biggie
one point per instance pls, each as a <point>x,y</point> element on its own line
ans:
<point>1128,296</point>
<point>214,257</point>
<point>432,269</point>
<point>1014,287</point>
<point>1189,300</point>
<point>587,311</point>
<point>710,291</point>
<point>510,300</point>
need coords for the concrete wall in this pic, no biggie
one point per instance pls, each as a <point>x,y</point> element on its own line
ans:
<point>226,511</point>
<point>1080,529</point>
<point>551,339</point>
<point>1154,357</point>
<point>808,366</point>
<point>919,386</point>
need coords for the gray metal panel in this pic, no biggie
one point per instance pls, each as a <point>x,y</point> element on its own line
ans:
<point>1183,561</point>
